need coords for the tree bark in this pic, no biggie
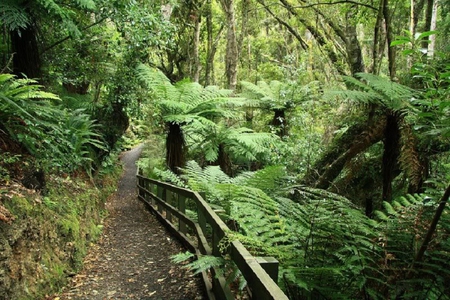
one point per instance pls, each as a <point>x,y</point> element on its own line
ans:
<point>26,60</point>
<point>224,161</point>
<point>196,58</point>
<point>390,155</point>
<point>175,148</point>
<point>379,42</point>
<point>434,16</point>
<point>232,53</point>
<point>212,46</point>
<point>389,38</point>
<point>354,53</point>
<point>360,143</point>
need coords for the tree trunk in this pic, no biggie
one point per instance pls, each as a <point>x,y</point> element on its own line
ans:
<point>389,39</point>
<point>360,143</point>
<point>232,53</point>
<point>418,7</point>
<point>378,41</point>
<point>196,58</point>
<point>279,122</point>
<point>175,148</point>
<point>224,161</point>
<point>26,60</point>
<point>212,46</point>
<point>410,161</point>
<point>332,153</point>
<point>354,53</point>
<point>434,17</point>
<point>390,155</point>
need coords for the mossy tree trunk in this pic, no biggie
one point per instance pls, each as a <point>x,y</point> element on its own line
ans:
<point>175,147</point>
<point>333,152</point>
<point>224,161</point>
<point>360,142</point>
<point>390,155</point>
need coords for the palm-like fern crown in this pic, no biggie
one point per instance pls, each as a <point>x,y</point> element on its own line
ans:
<point>186,101</point>
<point>241,143</point>
<point>275,94</point>
<point>15,17</point>
<point>373,89</point>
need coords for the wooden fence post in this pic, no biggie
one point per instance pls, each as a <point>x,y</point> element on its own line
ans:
<point>160,191</point>
<point>270,265</point>
<point>182,209</point>
<point>201,215</point>
<point>168,199</point>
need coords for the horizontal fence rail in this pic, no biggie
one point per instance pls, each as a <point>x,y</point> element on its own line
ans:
<point>202,236</point>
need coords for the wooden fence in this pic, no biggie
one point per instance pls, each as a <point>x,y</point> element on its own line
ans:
<point>202,237</point>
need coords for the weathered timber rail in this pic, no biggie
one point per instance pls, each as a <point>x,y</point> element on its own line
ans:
<point>169,203</point>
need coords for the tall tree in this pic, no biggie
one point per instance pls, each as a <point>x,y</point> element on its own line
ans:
<point>232,51</point>
<point>24,34</point>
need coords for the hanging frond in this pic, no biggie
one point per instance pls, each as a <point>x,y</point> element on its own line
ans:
<point>13,17</point>
<point>271,179</point>
<point>404,225</point>
<point>373,89</point>
<point>246,143</point>
<point>409,158</point>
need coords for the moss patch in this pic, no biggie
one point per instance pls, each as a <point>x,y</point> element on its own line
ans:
<point>51,234</point>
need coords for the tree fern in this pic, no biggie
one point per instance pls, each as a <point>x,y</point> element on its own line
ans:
<point>373,89</point>
<point>13,16</point>
<point>405,224</point>
<point>59,138</point>
<point>185,106</point>
<point>325,244</point>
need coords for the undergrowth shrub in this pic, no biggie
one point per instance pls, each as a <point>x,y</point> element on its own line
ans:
<point>327,247</point>
<point>59,138</point>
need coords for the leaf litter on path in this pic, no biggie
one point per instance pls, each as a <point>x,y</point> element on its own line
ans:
<point>132,258</point>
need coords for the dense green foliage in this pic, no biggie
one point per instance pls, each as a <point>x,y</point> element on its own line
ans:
<point>321,130</point>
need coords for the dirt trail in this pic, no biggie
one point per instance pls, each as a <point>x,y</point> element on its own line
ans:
<point>132,258</point>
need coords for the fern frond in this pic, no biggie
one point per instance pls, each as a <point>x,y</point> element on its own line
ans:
<point>206,262</point>
<point>246,143</point>
<point>182,257</point>
<point>373,89</point>
<point>87,4</point>
<point>389,209</point>
<point>409,158</point>
<point>13,16</point>
<point>270,179</point>
<point>391,90</point>
<point>169,176</point>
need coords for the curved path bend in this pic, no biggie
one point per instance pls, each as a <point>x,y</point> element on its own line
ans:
<point>132,258</point>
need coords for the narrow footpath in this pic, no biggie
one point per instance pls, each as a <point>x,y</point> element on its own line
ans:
<point>132,258</point>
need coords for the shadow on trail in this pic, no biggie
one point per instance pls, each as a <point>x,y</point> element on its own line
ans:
<point>132,258</point>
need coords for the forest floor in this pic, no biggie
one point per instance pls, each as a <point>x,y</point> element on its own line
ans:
<point>131,260</point>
